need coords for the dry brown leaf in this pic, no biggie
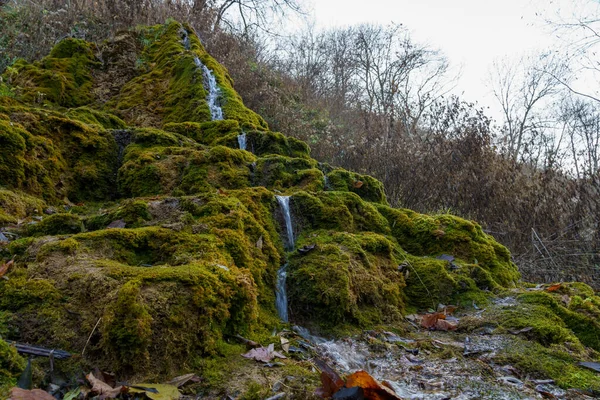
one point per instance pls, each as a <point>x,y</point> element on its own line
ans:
<point>183,379</point>
<point>35,394</point>
<point>445,325</point>
<point>5,267</point>
<point>554,288</point>
<point>330,380</point>
<point>429,320</point>
<point>373,389</point>
<point>358,184</point>
<point>104,389</point>
<point>449,310</point>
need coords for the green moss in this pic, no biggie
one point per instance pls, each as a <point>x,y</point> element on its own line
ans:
<point>95,117</point>
<point>171,88</point>
<point>15,205</point>
<point>282,173</point>
<point>367,187</point>
<point>57,224</point>
<point>554,362</point>
<point>128,326</point>
<point>344,211</point>
<point>426,235</point>
<point>63,78</point>
<point>11,365</point>
<point>61,157</point>
<point>347,278</point>
<point>586,327</point>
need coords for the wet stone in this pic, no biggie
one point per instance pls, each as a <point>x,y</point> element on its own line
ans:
<point>354,393</point>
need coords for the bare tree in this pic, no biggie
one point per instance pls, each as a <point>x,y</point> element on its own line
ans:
<point>582,122</point>
<point>524,89</point>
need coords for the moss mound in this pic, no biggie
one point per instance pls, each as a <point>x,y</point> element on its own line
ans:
<point>171,236</point>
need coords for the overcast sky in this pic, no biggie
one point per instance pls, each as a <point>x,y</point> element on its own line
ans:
<point>472,33</point>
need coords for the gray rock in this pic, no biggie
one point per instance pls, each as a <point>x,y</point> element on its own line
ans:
<point>117,224</point>
<point>354,393</point>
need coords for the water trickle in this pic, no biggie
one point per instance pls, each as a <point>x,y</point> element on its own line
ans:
<point>214,92</point>
<point>284,203</point>
<point>242,140</point>
<point>186,39</point>
<point>281,303</point>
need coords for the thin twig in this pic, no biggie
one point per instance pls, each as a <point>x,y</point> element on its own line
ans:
<point>90,337</point>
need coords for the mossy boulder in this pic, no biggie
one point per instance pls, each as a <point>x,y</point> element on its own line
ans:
<point>57,224</point>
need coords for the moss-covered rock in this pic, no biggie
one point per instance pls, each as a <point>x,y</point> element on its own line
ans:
<point>57,224</point>
<point>63,77</point>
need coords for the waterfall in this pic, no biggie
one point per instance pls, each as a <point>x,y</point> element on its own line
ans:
<point>281,303</point>
<point>284,203</point>
<point>242,140</point>
<point>210,83</point>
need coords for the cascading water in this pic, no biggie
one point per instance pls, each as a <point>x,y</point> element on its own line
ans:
<point>242,141</point>
<point>281,303</point>
<point>214,91</point>
<point>284,203</point>
<point>210,82</point>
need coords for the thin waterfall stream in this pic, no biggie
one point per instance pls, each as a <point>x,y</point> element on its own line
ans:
<point>210,82</point>
<point>214,92</point>
<point>281,302</point>
<point>242,140</point>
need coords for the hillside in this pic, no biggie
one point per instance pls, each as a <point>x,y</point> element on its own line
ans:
<point>152,217</point>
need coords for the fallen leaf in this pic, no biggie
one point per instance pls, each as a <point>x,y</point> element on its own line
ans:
<point>429,320</point>
<point>156,391</point>
<point>285,344</point>
<point>264,354</point>
<point>554,288</point>
<point>373,389</point>
<point>449,310</point>
<point>519,331</point>
<point>358,184</point>
<point>445,325</point>
<point>330,380</point>
<point>35,394</point>
<point>104,389</point>
<point>5,267</point>
<point>183,379</point>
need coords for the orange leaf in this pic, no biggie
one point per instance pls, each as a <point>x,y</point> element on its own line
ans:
<point>373,389</point>
<point>429,320</point>
<point>554,288</point>
<point>358,184</point>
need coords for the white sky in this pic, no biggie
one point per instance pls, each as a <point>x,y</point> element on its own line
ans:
<point>471,33</point>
